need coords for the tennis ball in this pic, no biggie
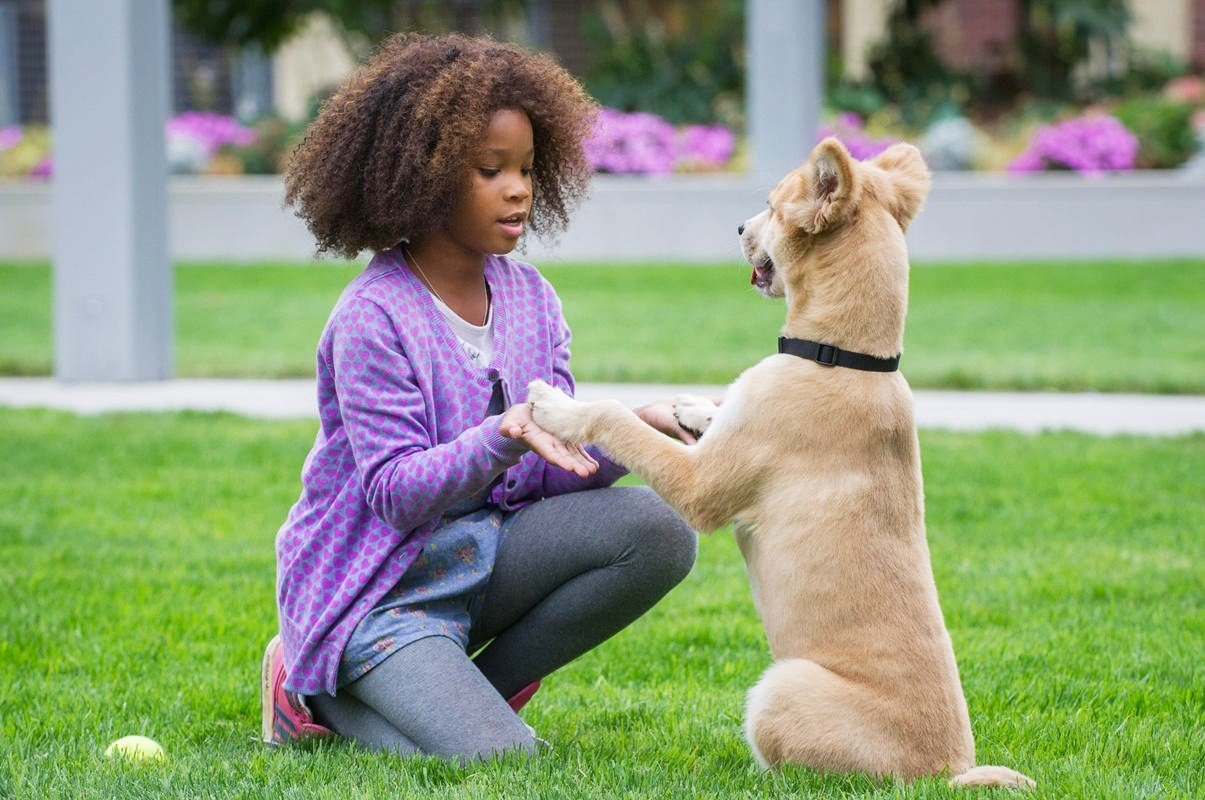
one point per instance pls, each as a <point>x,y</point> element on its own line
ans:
<point>135,748</point>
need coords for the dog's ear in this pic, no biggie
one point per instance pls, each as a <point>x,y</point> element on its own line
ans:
<point>908,181</point>
<point>830,191</point>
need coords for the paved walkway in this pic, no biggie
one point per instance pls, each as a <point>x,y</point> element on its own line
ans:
<point>1104,414</point>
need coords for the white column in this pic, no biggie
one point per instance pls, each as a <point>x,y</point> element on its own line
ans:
<point>10,113</point>
<point>784,82</point>
<point>112,273</point>
<point>252,83</point>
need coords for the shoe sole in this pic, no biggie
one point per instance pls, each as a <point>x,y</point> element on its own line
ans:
<point>267,697</point>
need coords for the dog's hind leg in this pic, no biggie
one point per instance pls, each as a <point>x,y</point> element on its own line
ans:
<point>801,713</point>
<point>992,776</point>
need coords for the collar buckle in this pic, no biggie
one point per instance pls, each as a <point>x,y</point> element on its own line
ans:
<point>826,355</point>
<point>829,355</point>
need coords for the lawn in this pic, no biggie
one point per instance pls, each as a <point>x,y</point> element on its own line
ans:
<point>137,585</point>
<point>1105,326</point>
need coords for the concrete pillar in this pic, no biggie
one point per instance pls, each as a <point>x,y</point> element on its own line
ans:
<point>784,82</point>
<point>252,84</point>
<point>112,273</point>
<point>10,112</point>
<point>539,24</point>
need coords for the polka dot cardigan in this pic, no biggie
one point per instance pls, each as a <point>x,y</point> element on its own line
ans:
<point>404,437</point>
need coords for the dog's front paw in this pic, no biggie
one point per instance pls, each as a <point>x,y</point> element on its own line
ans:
<point>557,412</point>
<point>694,413</point>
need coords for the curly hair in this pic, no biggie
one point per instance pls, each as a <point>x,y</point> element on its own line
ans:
<point>385,159</point>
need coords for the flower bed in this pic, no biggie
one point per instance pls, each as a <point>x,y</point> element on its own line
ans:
<point>634,142</point>
<point>1090,144</point>
<point>1152,132</point>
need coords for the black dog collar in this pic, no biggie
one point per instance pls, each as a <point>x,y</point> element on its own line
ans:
<point>830,356</point>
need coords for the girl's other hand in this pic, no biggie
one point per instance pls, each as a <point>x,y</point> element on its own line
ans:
<point>517,423</point>
<point>660,415</point>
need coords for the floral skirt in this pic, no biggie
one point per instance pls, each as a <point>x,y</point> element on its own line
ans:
<point>439,595</point>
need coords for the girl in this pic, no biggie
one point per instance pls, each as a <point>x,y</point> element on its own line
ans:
<point>436,520</point>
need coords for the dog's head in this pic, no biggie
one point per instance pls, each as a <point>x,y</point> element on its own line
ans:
<point>833,203</point>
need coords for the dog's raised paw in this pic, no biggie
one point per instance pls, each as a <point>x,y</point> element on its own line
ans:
<point>555,411</point>
<point>694,413</point>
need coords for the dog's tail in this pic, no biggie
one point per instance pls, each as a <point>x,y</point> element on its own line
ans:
<point>992,776</point>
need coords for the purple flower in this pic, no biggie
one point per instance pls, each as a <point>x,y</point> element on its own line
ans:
<point>707,146</point>
<point>209,131</point>
<point>43,169</point>
<point>636,142</point>
<point>850,121</point>
<point>10,137</point>
<point>847,127</point>
<point>632,142</point>
<point>1092,144</point>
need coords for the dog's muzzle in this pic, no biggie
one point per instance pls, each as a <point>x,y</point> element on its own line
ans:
<point>762,275</point>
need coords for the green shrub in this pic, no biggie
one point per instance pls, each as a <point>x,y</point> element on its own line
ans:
<point>859,98</point>
<point>1164,130</point>
<point>687,70</point>
<point>907,70</point>
<point>274,142</point>
<point>1146,71</point>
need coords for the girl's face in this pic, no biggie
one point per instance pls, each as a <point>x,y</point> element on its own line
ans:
<point>492,211</point>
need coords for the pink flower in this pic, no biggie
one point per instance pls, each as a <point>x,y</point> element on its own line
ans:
<point>43,169</point>
<point>631,143</point>
<point>848,120</point>
<point>10,137</point>
<point>1092,144</point>
<point>847,127</point>
<point>706,145</point>
<point>209,131</point>
<point>1186,89</point>
<point>634,142</point>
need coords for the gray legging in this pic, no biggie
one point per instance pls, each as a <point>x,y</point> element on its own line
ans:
<point>572,571</point>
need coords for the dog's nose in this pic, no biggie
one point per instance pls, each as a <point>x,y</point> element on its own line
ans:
<point>740,229</point>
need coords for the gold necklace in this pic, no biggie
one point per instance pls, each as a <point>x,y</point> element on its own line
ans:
<point>427,282</point>
<point>423,275</point>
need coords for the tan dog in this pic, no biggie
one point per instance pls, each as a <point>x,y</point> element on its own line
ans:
<point>819,468</point>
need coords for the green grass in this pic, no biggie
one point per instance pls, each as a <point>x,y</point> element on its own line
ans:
<point>138,593</point>
<point>1105,326</point>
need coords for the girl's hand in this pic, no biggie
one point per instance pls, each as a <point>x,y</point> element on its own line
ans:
<point>517,423</point>
<point>660,415</point>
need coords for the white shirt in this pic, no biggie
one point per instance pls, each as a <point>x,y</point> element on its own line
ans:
<point>478,340</point>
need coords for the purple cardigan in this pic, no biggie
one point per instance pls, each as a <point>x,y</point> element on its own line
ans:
<point>402,439</point>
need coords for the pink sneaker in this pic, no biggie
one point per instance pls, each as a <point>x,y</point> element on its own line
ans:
<point>522,696</point>
<point>286,720</point>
